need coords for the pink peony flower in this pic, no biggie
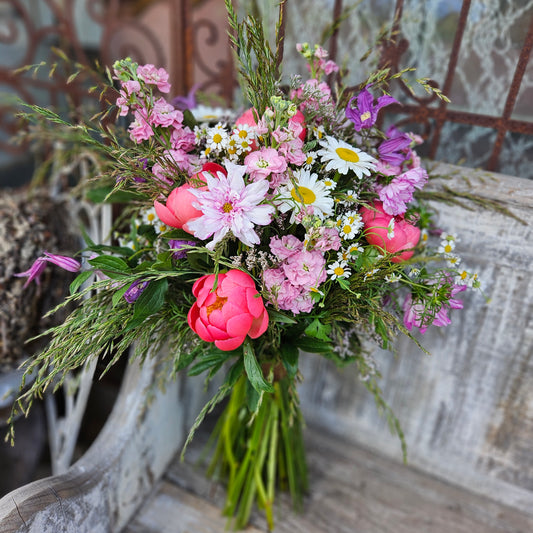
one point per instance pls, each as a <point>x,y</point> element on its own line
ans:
<point>377,232</point>
<point>227,314</point>
<point>178,211</point>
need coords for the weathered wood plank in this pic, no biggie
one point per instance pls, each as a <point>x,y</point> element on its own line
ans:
<point>352,490</point>
<point>103,489</point>
<point>467,410</point>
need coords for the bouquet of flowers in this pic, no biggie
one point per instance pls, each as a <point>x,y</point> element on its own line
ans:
<point>248,238</point>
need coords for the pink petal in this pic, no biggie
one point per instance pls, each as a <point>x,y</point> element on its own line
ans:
<point>166,216</point>
<point>216,318</point>
<point>254,302</point>
<point>202,331</point>
<point>239,325</point>
<point>259,325</point>
<point>217,334</point>
<point>230,344</point>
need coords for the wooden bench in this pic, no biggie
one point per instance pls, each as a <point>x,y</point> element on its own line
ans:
<point>467,412</point>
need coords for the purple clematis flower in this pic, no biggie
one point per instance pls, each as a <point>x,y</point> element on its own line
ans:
<point>365,112</point>
<point>178,247</point>
<point>35,271</point>
<point>186,102</point>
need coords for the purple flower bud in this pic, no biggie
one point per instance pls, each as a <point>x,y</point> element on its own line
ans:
<point>135,290</point>
<point>178,247</point>
<point>63,261</point>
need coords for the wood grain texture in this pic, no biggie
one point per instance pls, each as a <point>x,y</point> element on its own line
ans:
<point>466,410</point>
<point>353,490</point>
<point>103,489</point>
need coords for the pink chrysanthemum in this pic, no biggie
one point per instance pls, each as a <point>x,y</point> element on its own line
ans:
<point>229,204</point>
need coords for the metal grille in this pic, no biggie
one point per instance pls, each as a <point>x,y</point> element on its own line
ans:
<point>190,41</point>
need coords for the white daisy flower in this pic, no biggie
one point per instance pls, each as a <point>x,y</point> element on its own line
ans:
<point>305,190</point>
<point>390,229</point>
<point>330,183</point>
<point>338,269</point>
<point>319,132</point>
<point>370,273</point>
<point>243,136</point>
<point>467,278</point>
<point>343,157</point>
<point>349,225</point>
<point>392,278</point>
<point>414,272</point>
<point>446,247</point>
<point>453,260</point>
<point>217,137</point>
<point>203,113</point>
<point>310,158</point>
<point>350,197</point>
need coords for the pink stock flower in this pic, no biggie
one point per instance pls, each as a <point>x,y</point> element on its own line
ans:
<point>399,192</point>
<point>154,76</point>
<point>164,114</point>
<point>140,130</point>
<point>127,96</point>
<point>378,225</point>
<point>261,163</point>
<point>35,271</point>
<point>286,246</point>
<point>227,314</point>
<point>182,138</point>
<point>284,294</point>
<point>229,204</point>
<point>305,269</point>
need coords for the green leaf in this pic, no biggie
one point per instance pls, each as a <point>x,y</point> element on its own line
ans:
<point>253,370</point>
<point>309,344</point>
<point>80,279</point>
<point>117,297</point>
<point>318,330</point>
<point>110,263</point>
<point>209,360</point>
<point>108,195</point>
<point>149,302</point>
<point>276,316</point>
<point>289,355</point>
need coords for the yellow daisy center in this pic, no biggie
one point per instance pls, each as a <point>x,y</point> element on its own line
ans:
<point>150,217</point>
<point>243,134</point>
<point>217,138</point>
<point>448,248</point>
<point>227,207</point>
<point>347,229</point>
<point>346,154</point>
<point>339,271</point>
<point>303,193</point>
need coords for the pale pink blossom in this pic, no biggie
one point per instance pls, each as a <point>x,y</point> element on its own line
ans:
<point>140,130</point>
<point>229,205</point>
<point>261,163</point>
<point>182,138</point>
<point>399,192</point>
<point>154,76</point>
<point>305,269</point>
<point>164,114</point>
<point>286,246</point>
<point>127,96</point>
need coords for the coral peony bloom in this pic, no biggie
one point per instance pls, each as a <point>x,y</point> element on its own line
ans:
<point>393,237</point>
<point>230,312</point>
<point>178,211</point>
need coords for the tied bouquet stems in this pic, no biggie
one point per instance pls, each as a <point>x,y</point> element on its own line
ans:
<point>245,238</point>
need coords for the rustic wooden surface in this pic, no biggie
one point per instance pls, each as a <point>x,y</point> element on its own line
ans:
<point>466,410</point>
<point>353,490</point>
<point>100,492</point>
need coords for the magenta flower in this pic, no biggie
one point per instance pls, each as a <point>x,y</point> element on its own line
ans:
<point>35,271</point>
<point>394,151</point>
<point>415,314</point>
<point>229,205</point>
<point>365,113</point>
